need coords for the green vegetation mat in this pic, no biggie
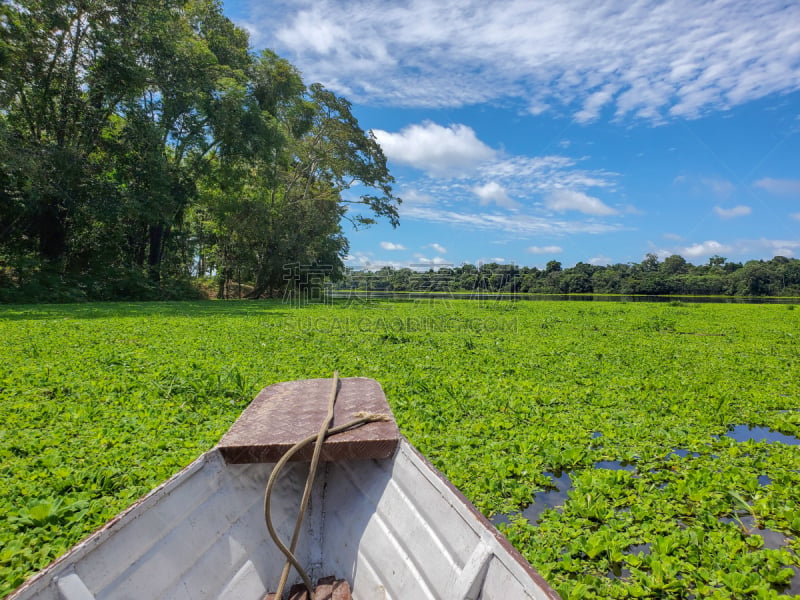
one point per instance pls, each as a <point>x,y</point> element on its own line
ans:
<point>101,402</point>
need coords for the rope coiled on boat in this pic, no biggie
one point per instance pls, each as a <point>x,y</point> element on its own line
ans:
<point>325,431</point>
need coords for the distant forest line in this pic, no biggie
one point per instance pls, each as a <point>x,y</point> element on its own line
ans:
<point>779,276</point>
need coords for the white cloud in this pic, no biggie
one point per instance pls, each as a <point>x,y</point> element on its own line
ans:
<point>360,260</point>
<point>392,246</point>
<point>795,216</point>
<point>436,260</point>
<point>457,172</point>
<point>779,187</point>
<point>493,192</point>
<point>772,247</point>
<point>439,151</point>
<point>365,261</point>
<point>595,102</point>
<point>600,260</point>
<point>514,223</point>
<point>412,196</point>
<point>673,236</point>
<point>731,213</point>
<point>630,209</point>
<point>760,248</point>
<point>438,247</point>
<point>649,60</point>
<point>702,186</point>
<point>543,183</point>
<point>524,174</point>
<point>545,249</point>
<point>537,107</point>
<point>708,248</point>
<point>487,261</point>
<point>564,200</point>
<point>721,188</point>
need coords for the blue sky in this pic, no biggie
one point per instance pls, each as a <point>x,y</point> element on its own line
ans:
<point>529,131</point>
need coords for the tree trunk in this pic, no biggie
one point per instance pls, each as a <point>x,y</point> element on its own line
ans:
<point>156,233</point>
<point>221,286</point>
<point>52,234</point>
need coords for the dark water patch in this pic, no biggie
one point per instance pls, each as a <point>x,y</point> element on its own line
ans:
<point>746,433</point>
<point>764,480</point>
<point>544,501</point>
<point>558,492</point>
<point>560,480</point>
<point>597,434</point>
<point>618,571</point>
<point>502,519</point>
<point>554,497</point>
<point>773,540</point>
<point>615,465</point>
<point>643,549</point>
<point>793,589</point>
<point>682,453</point>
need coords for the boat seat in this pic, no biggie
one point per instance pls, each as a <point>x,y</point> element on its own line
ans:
<point>275,421</point>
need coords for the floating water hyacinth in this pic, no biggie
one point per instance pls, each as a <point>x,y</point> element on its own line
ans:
<point>506,398</point>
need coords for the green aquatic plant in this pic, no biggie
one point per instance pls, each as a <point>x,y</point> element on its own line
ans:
<point>101,402</point>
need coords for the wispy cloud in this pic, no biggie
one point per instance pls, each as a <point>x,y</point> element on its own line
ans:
<point>392,246</point>
<point>779,187</point>
<point>412,196</point>
<point>732,213</point>
<point>767,248</point>
<point>456,155</point>
<point>707,248</point>
<point>595,102</point>
<point>436,150</point>
<point>436,260</point>
<point>703,186</point>
<point>514,223</point>
<point>545,249</point>
<point>640,59</point>
<point>438,247</point>
<point>365,260</point>
<point>754,248</point>
<point>721,188</point>
<point>493,192</point>
<point>600,260</point>
<point>525,190</point>
<point>566,200</point>
<point>498,260</point>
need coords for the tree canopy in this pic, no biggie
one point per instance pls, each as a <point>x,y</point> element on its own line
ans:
<point>143,143</point>
<point>779,276</point>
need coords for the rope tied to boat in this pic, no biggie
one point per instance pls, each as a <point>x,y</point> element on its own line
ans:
<point>318,438</point>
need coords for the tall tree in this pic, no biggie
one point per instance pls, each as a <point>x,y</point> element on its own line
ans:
<point>67,69</point>
<point>296,187</point>
<point>192,109</point>
<point>124,126</point>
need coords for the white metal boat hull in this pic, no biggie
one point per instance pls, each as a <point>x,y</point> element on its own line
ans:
<point>394,528</point>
